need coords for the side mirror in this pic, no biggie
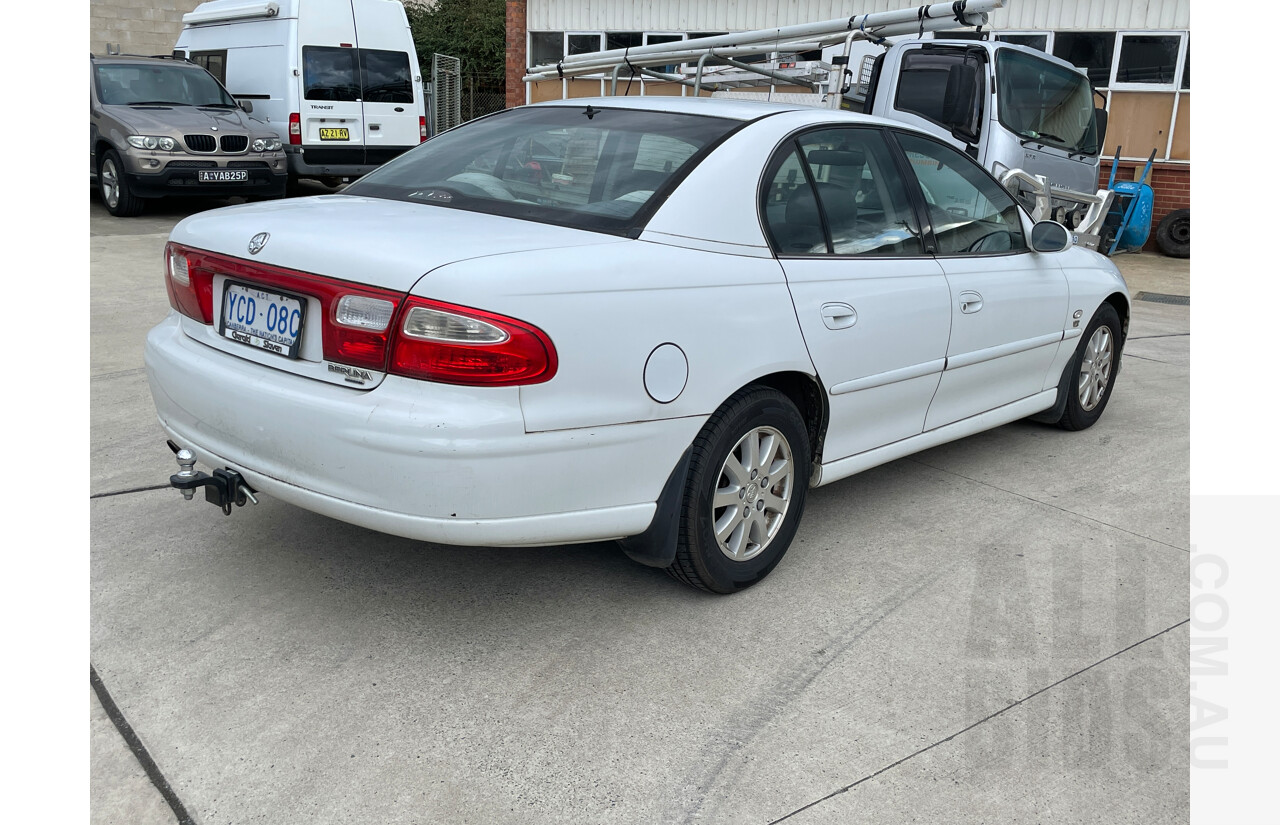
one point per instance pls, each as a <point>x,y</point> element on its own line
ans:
<point>1050,236</point>
<point>247,105</point>
<point>1100,117</point>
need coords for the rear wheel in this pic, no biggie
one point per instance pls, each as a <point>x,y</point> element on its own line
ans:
<point>113,186</point>
<point>745,492</point>
<point>1094,367</point>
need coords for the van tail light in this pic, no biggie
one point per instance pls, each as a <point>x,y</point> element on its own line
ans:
<point>452,344</point>
<point>190,286</point>
<point>422,128</point>
<point>295,129</point>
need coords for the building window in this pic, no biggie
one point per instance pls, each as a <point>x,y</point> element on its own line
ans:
<point>1035,41</point>
<point>1186,70</point>
<point>1148,59</point>
<point>583,43</point>
<point>624,40</point>
<point>545,47</point>
<point>1091,51</point>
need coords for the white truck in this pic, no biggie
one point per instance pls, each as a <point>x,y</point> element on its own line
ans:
<point>338,80</point>
<point>1027,117</point>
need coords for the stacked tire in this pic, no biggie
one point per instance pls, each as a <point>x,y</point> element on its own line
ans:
<point>1173,235</point>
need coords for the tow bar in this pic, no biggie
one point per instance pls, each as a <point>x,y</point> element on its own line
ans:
<point>223,488</point>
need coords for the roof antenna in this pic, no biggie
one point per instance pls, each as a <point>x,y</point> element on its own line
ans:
<point>590,113</point>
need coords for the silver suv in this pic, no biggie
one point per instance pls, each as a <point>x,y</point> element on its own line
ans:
<point>163,126</point>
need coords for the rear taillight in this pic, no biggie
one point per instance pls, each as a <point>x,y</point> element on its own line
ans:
<point>422,128</point>
<point>355,320</point>
<point>295,129</point>
<point>190,287</point>
<point>459,345</point>
<point>378,329</point>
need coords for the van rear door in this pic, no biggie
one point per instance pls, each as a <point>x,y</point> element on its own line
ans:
<point>332,116</point>
<point>392,84</point>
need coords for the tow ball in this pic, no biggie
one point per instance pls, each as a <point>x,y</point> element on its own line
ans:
<point>223,488</point>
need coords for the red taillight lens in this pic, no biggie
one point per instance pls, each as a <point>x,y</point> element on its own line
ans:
<point>459,345</point>
<point>190,286</point>
<point>295,129</point>
<point>422,128</point>
<point>354,320</point>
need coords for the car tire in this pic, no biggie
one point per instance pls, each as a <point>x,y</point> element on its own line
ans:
<point>744,493</point>
<point>114,187</point>
<point>1173,235</point>
<point>1093,370</point>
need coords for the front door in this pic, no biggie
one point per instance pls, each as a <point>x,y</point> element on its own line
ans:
<point>1008,304</point>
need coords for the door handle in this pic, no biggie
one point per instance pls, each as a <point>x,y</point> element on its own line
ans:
<point>970,302</point>
<point>839,316</point>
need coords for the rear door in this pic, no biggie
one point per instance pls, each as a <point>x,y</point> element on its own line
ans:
<point>391,82</point>
<point>873,306</point>
<point>332,115</point>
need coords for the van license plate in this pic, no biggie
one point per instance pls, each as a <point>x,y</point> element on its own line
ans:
<point>222,175</point>
<point>266,320</point>
<point>335,134</point>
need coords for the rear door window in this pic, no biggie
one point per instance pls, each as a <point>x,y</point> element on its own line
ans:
<point>329,73</point>
<point>385,76</point>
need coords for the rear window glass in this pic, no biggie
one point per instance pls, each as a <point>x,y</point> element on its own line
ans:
<point>385,76</point>
<point>603,169</point>
<point>329,73</point>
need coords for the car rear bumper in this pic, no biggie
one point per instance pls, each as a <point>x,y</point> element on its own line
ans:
<point>411,458</point>
<point>345,162</point>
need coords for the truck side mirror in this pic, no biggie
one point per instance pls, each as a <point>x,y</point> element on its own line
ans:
<point>1100,117</point>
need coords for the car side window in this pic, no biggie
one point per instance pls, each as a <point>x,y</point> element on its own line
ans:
<point>838,191</point>
<point>971,213</point>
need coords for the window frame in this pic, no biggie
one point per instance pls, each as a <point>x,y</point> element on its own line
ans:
<point>791,145</point>
<point>1175,86</point>
<point>916,190</point>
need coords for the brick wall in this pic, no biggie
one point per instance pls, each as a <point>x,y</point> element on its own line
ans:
<point>1169,182</point>
<point>136,26</point>
<point>517,52</point>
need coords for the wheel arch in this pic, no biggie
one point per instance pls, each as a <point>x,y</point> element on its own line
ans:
<point>806,393</point>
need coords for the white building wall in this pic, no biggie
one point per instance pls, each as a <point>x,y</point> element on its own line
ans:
<point>740,15</point>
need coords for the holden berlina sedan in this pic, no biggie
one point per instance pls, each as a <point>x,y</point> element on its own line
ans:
<point>655,320</point>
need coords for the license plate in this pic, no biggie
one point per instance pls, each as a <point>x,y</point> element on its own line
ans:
<point>266,320</point>
<point>335,134</point>
<point>222,175</point>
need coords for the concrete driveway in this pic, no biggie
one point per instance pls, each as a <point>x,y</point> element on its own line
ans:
<point>991,631</point>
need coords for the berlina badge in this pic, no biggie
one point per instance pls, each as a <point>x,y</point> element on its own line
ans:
<point>257,242</point>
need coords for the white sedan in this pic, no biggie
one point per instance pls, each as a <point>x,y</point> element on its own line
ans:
<point>657,320</point>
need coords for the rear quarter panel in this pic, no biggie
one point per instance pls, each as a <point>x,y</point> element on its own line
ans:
<point>606,308</point>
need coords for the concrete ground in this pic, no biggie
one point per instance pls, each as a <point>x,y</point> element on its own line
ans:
<point>990,631</point>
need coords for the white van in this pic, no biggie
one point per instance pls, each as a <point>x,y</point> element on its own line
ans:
<point>337,79</point>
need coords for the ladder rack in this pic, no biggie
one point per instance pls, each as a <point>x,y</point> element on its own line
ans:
<point>874,26</point>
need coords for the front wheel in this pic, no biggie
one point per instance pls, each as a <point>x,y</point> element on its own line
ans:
<point>1093,370</point>
<point>116,194</point>
<point>745,492</point>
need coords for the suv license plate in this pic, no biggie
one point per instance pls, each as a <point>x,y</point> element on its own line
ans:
<point>335,134</point>
<point>222,175</point>
<point>266,320</point>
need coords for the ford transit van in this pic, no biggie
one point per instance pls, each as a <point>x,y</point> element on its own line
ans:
<point>338,80</point>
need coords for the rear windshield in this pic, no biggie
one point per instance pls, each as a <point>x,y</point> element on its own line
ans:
<point>374,75</point>
<point>590,168</point>
<point>176,84</point>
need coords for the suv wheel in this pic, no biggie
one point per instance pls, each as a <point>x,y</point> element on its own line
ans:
<point>115,189</point>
